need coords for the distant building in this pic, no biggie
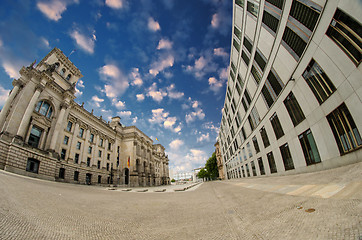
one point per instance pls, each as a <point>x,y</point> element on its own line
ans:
<point>46,134</point>
<point>220,165</point>
<point>294,91</point>
<point>194,175</point>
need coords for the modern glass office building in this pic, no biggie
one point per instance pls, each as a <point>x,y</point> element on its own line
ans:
<point>294,92</point>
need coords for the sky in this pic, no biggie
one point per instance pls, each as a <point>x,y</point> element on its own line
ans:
<point>160,65</point>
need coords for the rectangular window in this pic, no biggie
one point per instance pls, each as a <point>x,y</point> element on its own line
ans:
<point>107,166</point>
<point>269,99</point>
<point>88,161</point>
<point>91,138</point>
<point>309,147</point>
<point>249,150</point>
<point>344,129</point>
<point>236,45</point>
<point>256,74</point>
<point>237,33</point>
<point>76,176</point>
<point>252,8</point>
<point>69,126</point>
<point>271,161</point>
<point>240,3</point>
<point>99,179</point>
<point>271,21</point>
<point>287,157</point>
<point>99,164</point>
<point>99,153</point>
<point>108,156</point>
<point>256,145</point>
<point>245,58</point>
<point>318,81</point>
<point>61,173</point>
<point>277,3</point>
<point>346,33</point>
<point>66,140</point>
<point>62,154</point>
<point>306,15</point>
<point>81,132</point>
<point>34,137</point>
<point>89,150</point>
<point>76,158</point>
<point>243,171</point>
<point>32,165</point>
<point>109,146</point>
<point>248,45</point>
<point>294,110</point>
<point>264,137</point>
<point>247,170</point>
<point>79,144</point>
<point>296,43</point>
<point>260,60</point>
<point>261,166</point>
<point>253,168</point>
<point>101,142</point>
<point>277,127</point>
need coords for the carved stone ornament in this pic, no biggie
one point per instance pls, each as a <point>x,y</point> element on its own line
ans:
<point>18,82</point>
<point>39,87</point>
<point>64,105</point>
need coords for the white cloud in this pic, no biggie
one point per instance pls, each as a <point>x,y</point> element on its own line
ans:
<point>140,97</point>
<point>202,65</point>
<point>172,93</point>
<point>53,9</point>
<point>223,74</point>
<point>215,85</point>
<point>203,137</point>
<point>80,84</point>
<point>45,42</point>
<point>156,94</point>
<point>3,95</point>
<point>116,4</point>
<point>153,25</point>
<point>211,126</point>
<point>162,63</point>
<point>87,44</point>
<point>11,69</point>
<point>175,144</point>
<point>164,44</point>
<point>124,113</point>
<point>96,101</point>
<point>194,115</point>
<point>117,83</point>
<point>215,21</point>
<point>220,52</point>
<point>163,119</point>
<point>118,104</point>
<point>134,120</point>
<point>195,104</point>
<point>136,76</point>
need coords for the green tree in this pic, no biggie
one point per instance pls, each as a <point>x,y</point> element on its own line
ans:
<point>203,174</point>
<point>211,167</point>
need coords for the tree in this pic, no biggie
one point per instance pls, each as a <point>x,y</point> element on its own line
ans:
<point>203,174</point>
<point>211,167</point>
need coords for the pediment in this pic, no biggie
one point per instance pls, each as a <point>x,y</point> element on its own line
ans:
<point>41,121</point>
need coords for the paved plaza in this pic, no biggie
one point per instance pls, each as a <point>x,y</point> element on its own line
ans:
<point>322,205</point>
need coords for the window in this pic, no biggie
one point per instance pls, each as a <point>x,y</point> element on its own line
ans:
<point>108,156</point>
<point>245,57</point>
<point>63,153</point>
<point>264,137</point>
<point>32,165</point>
<point>44,109</point>
<point>240,3</point>
<point>66,140</point>
<point>99,179</point>
<point>99,153</point>
<point>306,15</point>
<point>261,166</point>
<point>61,173</point>
<point>88,162</point>
<point>287,157</point>
<point>249,150</point>
<point>81,132</point>
<point>294,110</point>
<point>252,8</point>
<point>89,150</point>
<point>277,127</point>
<point>91,138</point>
<point>346,33</point>
<point>101,142</point>
<point>99,164</point>
<point>236,45</point>
<point>62,72</point>
<point>68,77</point>
<point>344,129</point>
<point>277,3</point>
<point>271,161</point>
<point>243,171</point>
<point>69,126</point>
<point>260,59</point>
<point>76,176</point>
<point>309,147</point>
<point>79,144</point>
<point>256,74</point>
<point>256,145</point>
<point>247,170</point>
<point>248,44</point>
<point>237,33</point>
<point>56,65</point>
<point>109,146</point>
<point>34,137</point>
<point>318,81</point>
<point>76,158</point>
<point>107,166</point>
<point>296,43</point>
<point>271,21</point>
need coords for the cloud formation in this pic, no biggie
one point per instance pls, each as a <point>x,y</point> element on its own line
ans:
<point>176,144</point>
<point>161,64</point>
<point>115,4</point>
<point>4,93</point>
<point>164,44</point>
<point>53,9</point>
<point>203,137</point>
<point>85,43</point>
<point>136,77</point>
<point>153,25</point>
<point>215,85</point>
<point>163,119</point>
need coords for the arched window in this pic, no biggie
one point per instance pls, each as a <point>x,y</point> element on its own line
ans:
<point>44,109</point>
<point>68,77</point>
<point>62,72</point>
<point>56,65</point>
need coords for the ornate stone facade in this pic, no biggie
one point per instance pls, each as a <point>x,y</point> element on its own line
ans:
<point>46,134</point>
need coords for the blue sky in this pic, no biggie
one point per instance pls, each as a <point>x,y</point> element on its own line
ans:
<point>160,65</point>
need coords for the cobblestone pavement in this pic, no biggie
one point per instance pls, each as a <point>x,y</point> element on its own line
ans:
<point>237,209</point>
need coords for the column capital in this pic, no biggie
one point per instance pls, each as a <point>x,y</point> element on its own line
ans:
<point>64,105</point>
<point>18,82</point>
<point>39,87</point>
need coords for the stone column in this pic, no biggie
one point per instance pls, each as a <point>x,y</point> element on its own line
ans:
<point>29,110</point>
<point>17,85</point>
<point>58,126</point>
